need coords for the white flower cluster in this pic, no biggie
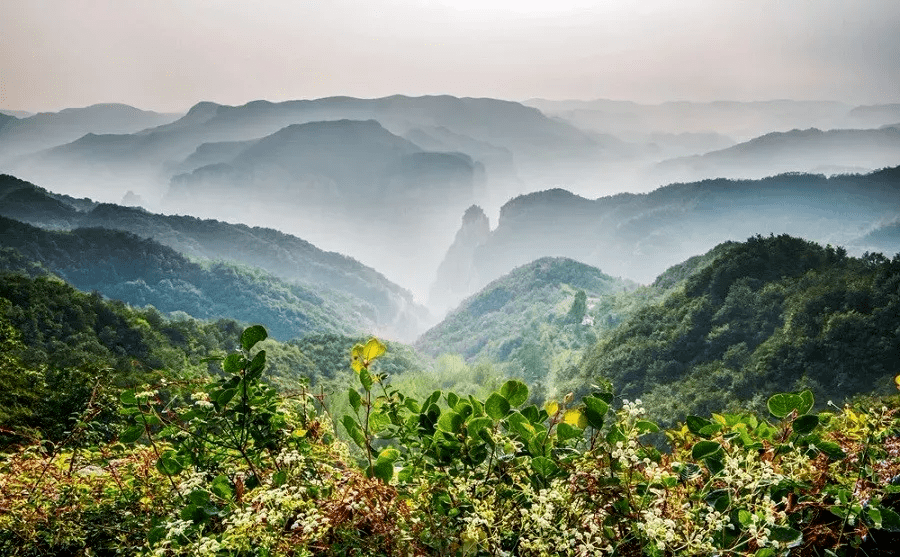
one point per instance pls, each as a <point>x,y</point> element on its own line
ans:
<point>146,395</point>
<point>192,482</point>
<point>657,527</point>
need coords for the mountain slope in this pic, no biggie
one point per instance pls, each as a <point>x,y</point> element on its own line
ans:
<point>767,315</point>
<point>534,319</point>
<point>385,306</point>
<point>123,266</point>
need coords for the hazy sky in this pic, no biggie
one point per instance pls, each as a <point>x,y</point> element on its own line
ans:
<point>166,55</point>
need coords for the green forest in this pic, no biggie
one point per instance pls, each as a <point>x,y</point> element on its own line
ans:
<point>743,404</point>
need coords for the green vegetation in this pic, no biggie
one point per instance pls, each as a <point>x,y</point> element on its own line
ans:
<point>535,321</point>
<point>768,315</point>
<point>143,272</point>
<point>121,435</point>
<point>227,466</point>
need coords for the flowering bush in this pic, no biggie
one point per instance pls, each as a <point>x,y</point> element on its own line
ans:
<point>233,468</point>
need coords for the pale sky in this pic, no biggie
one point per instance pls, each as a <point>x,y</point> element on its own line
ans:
<point>167,55</point>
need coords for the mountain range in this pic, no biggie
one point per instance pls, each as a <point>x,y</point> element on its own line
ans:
<point>811,150</point>
<point>23,133</point>
<point>639,235</point>
<point>384,306</point>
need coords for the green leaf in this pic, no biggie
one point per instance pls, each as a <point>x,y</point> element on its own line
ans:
<point>279,478</point>
<point>532,413</point>
<point>833,450</point>
<point>127,398</point>
<point>365,378</point>
<point>225,397</point>
<point>131,434</point>
<point>786,535</point>
<point>782,404</point>
<point>719,499</point>
<point>156,534</point>
<point>221,487</point>
<point>805,424</point>
<point>496,406</point>
<point>593,418</point>
<point>521,426</point>
<point>515,392</point>
<point>355,399</point>
<point>808,401</point>
<point>428,418</point>
<point>564,431</point>
<point>168,465</point>
<point>543,466</point>
<point>452,399</point>
<point>705,449</point>
<point>710,430</point>
<point>234,363</point>
<point>890,520</point>
<point>597,405</point>
<point>252,335</point>
<point>354,431</point>
<point>696,423</point>
<point>475,425</point>
<point>646,426</point>
<point>257,365</point>
<point>450,421</point>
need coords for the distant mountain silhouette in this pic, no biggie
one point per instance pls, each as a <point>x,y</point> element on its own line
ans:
<point>809,150</point>
<point>532,138</point>
<point>48,129</point>
<point>742,120</point>
<point>639,235</point>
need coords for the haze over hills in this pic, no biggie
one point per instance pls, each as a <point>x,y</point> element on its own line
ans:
<point>639,235</point>
<point>486,144</point>
<point>810,150</point>
<point>739,120</point>
<point>28,133</point>
<point>384,180</point>
<point>387,307</point>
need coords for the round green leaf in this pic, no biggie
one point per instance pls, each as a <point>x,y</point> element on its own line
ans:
<point>782,404</point>
<point>515,392</point>
<point>252,335</point>
<point>805,424</point>
<point>496,406</point>
<point>450,421</point>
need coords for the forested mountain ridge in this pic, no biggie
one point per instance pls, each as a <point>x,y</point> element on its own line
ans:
<point>638,236</point>
<point>143,272</point>
<point>771,314</point>
<point>533,321</point>
<point>288,257</point>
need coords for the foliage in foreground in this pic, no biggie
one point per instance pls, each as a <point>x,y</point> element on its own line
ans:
<point>232,468</point>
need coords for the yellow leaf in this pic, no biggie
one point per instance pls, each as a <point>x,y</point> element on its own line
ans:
<point>373,349</point>
<point>575,418</point>
<point>897,381</point>
<point>356,358</point>
<point>552,408</point>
